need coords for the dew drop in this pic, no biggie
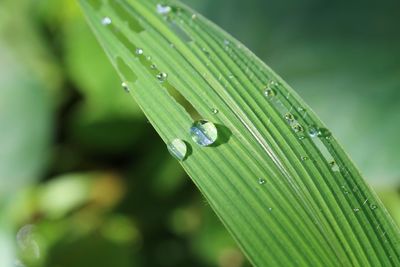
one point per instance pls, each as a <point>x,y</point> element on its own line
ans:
<point>162,76</point>
<point>153,66</point>
<point>268,92</point>
<point>125,87</point>
<point>373,207</point>
<point>178,149</point>
<point>297,127</point>
<point>261,181</point>
<point>106,21</point>
<point>194,16</point>
<point>289,117</point>
<point>204,133</point>
<point>304,158</point>
<point>313,132</point>
<point>270,209</point>
<point>356,210</point>
<point>215,111</point>
<point>226,42</point>
<point>163,9</point>
<point>139,51</point>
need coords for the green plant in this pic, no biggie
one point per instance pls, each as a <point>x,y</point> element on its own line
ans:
<point>271,170</point>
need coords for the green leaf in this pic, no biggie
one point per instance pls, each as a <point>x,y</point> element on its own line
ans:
<point>276,177</point>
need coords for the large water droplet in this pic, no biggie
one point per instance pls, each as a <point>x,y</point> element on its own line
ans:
<point>163,9</point>
<point>204,133</point>
<point>178,149</point>
<point>162,76</point>
<point>297,127</point>
<point>289,117</point>
<point>106,21</point>
<point>268,92</point>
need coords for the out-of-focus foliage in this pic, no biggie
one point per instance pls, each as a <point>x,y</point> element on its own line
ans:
<point>85,180</point>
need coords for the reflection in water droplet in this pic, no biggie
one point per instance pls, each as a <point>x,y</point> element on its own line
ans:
<point>178,149</point>
<point>125,87</point>
<point>163,9</point>
<point>261,181</point>
<point>106,21</point>
<point>313,132</point>
<point>162,76</point>
<point>204,133</point>
<point>139,51</point>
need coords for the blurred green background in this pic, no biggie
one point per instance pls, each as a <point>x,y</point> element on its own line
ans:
<point>85,180</point>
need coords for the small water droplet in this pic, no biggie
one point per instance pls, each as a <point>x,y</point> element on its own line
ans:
<point>356,209</point>
<point>301,137</point>
<point>178,149</point>
<point>153,66</point>
<point>163,9</point>
<point>313,132</point>
<point>297,128</point>
<point>125,87</point>
<point>226,42</point>
<point>162,76</point>
<point>304,158</point>
<point>204,133</point>
<point>139,51</point>
<point>194,16</point>
<point>261,181</point>
<point>215,111</point>
<point>373,207</point>
<point>270,209</point>
<point>106,21</point>
<point>345,190</point>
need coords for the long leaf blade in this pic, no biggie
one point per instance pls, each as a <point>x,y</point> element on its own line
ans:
<point>277,178</point>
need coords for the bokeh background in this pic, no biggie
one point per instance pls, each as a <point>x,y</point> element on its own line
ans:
<point>85,180</point>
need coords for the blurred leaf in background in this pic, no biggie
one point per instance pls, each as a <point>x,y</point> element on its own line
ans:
<point>81,165</point>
